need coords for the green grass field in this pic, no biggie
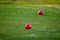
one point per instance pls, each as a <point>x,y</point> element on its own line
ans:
<point>32,1</point>
<point>13,18</point>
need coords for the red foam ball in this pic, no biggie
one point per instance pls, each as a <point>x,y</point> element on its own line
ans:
<point>40,12</point>
<point>28,26</point>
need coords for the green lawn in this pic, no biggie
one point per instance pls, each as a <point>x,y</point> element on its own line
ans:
<point>32,1</point>
<point>13,18</point>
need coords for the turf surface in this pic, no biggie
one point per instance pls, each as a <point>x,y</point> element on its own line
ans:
<point>32,1</point>
<point>13,18</point>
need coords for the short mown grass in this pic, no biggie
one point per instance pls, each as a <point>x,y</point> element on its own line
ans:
<point>13,18</point>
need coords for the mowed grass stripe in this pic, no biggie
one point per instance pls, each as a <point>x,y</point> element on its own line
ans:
<point>15,11</point>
